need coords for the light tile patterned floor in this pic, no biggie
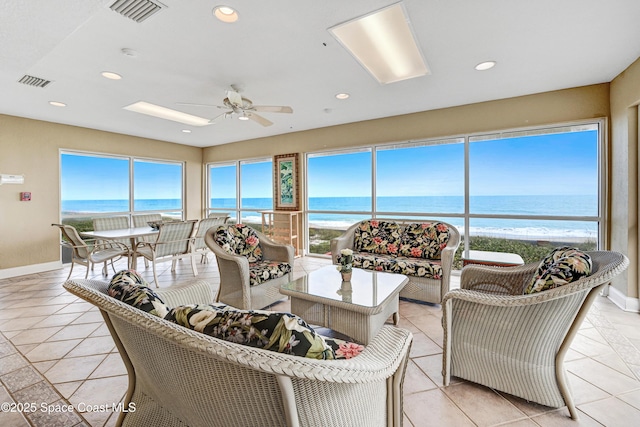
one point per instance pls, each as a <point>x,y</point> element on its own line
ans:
<point>55,351</point>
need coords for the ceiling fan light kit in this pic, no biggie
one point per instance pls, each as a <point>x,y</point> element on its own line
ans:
<point>243,108</point>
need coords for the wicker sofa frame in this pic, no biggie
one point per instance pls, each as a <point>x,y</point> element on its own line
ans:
<point>498,337</point>
<point>418,288</point>
<point>179,377</point>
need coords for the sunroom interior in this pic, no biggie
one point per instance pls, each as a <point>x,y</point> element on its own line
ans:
<point>30,253</point>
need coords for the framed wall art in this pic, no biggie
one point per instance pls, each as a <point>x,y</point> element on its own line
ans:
<point>285,175</point>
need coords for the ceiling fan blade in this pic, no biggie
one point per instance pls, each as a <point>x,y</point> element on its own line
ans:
<point>213,121</point>
<point>272,109</point>
<point>259,119</point>
<point>199,105</point>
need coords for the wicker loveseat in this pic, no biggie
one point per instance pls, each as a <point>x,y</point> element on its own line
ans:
<point>180,377</point>
<point>423,251</point>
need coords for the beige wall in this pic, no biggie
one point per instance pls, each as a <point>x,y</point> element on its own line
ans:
<point>625,96</point>
<point>31,147</point>
<point>551,107</point>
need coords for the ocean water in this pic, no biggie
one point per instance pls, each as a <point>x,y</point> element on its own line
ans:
<point>576,206</point>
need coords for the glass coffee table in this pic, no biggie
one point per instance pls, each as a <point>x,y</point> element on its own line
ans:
<point>357,308</point>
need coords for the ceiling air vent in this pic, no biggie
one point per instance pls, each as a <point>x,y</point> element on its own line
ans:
<point>138,10</point>
<point>34,81</point>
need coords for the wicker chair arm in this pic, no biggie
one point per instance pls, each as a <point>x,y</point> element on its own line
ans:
<point>345,241</point>
<point>198,292</point>
<point>275,251</point>
<point>504,280</point>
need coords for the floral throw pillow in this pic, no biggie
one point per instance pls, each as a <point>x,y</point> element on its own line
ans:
<point>279,332</point>
<point>129,287</point>
<point>378,237</point>
<point>239,239</point>
<point>424,240</point>
<point>561,266</point>
<point>344,349</point>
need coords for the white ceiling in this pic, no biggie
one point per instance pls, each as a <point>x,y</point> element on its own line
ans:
<point>280,53</point>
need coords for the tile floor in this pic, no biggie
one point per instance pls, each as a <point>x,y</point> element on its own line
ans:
<point>55,351</point>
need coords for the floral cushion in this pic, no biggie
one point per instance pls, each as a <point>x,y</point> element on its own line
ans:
<point>369,261</point>
<point>279,332</point>
<point>378,237</point>
<point>418,267</point>
<point>129,287</point>
<point>561,266</point>
<point>262,271</point>
<point>239,239</point>
<point>424,240</point>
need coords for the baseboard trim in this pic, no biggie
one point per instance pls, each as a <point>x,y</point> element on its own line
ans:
<point>7,273</point>
<point>622,301</point>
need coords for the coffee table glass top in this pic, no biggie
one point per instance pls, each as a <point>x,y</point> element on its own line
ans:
<point>366,288</point>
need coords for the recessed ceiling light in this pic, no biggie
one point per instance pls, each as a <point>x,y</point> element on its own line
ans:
<point>483,66</point>
<point>167,113</point>
<point>384,43</point>
<point>225,14</point>
<point>111,76</point>
<point>57,104</point>
<point>342,95</point>
<point>186,131</point>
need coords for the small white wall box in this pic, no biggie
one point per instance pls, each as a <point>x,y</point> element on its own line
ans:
<point>11,179</point>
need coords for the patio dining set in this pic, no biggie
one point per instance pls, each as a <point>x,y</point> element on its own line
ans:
<point>150,237</point>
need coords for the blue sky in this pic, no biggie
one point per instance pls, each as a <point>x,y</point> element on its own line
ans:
<point>556,164</point>
<point>104,178</point>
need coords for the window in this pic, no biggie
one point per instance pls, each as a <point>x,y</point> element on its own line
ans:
<point>157,186</point>
<point>521,191</point>
<point>99,185</point>
<point>426,177</point>
<point>241,189</point>
<point>339,194</point>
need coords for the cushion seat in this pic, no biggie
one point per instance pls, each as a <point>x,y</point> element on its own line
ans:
<point>265,270</point>
<point>417,267</point>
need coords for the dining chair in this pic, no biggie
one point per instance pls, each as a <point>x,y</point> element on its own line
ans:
<point>142,220</point>
<point>113,223</point>
<point>89,252</point>
<point>199,245</point>
<point>174,241</point>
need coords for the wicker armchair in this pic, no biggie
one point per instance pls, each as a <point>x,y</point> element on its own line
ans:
<point>238,270</point>
<point>181,377</point>
<point>496,336</point>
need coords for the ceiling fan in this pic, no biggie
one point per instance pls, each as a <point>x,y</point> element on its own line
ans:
<point>242,107</point>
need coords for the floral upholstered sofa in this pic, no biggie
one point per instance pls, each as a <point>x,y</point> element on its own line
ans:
<point>192,362</point>
<point>252,266</point>
<point>423,251</point>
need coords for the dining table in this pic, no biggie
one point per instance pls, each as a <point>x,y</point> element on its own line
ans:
<point>132,233</point>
